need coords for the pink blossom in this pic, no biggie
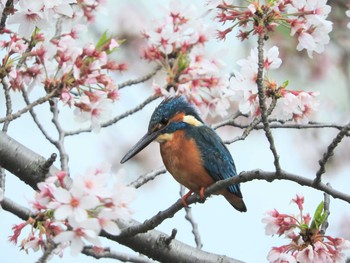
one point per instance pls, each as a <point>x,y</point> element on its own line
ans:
<point>348,14</point>
<point>87,230</point>
<point>106,220</point>
<point>73,204</point>
<point>94,111</point>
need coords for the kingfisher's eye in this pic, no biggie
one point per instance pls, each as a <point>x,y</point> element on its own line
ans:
<point>164,121</point>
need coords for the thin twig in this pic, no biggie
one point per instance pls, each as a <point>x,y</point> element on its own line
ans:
<point>8,104</point>
<point>28,107</point>
<point>326,202</point>
<point>253,124</point>
<point>273,125</point>
<point>117,118</point>
<point>190,219</point>
<point>49,248</point>
<point>61,136</point>
<point>7,11</point>
<point>140,79</point>
<point>228,121</point>
<point>262,102</point>
<point>144,178</point>
<point>35,118</point>
<point>330,151</point>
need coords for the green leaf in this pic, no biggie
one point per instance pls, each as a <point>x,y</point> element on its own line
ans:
<point>319,216</point>
<point>285,84</point>
<point>103,40</point>
<point>183,62</point>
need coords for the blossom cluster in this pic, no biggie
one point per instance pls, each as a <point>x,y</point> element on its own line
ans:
<point>291,104</point>
<point>177,44</point>
<point>37,56</point>
<point>307,242</point>
<point>306,19</point>
<point>76,214</point>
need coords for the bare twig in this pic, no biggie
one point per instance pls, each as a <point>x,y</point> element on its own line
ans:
<point>49,248</point>
<point>107,253</point>
<point>144,178</point>
<point>7,11</point>
<point>228,121</point>
<point>189,218</point>
<point>117,118</point>
<point>170,238</point>
<point>35,118</point>
<point>8,104</point>
<point>28,107</point>
<point>262,102</point>
<point>274,125</point>
<point>139,80</point>
<point>253,124</point>
<point>61,136</point>
<point>330,151</point>
<point>326,202</point>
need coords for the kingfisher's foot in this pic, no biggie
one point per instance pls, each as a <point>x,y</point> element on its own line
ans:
<point>201,193</point>
<point>184,198</point>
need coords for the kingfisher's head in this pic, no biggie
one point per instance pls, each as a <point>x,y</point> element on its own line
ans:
<point>172,114</point>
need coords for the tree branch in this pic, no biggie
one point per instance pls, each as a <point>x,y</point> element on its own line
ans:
<point>144,178</point>
<point>29,107</point>
<point>189,218</point>
<point>23,162</point>
<point>262,101</point>
<point>139,80</point>
<point>7,11</point>
<point>117,118</point>
<point>330,151</point>
<point>106,253</point>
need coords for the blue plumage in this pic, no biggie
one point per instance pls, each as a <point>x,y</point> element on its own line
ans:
<point>191,151</point>
<point>217,159</point>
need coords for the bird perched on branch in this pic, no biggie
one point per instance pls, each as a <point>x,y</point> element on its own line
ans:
<point>191,151</point>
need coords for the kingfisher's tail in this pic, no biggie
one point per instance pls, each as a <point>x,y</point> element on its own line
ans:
<point>235,201</point>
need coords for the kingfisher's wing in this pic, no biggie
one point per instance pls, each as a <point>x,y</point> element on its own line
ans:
<point>217,159</point>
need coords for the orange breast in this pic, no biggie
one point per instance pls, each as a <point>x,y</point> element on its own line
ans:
<point>182,159</point>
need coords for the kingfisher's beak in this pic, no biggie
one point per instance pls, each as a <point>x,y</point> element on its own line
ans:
<point>140,145</point>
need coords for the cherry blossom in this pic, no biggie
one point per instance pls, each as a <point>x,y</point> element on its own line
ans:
<point>87,230</point>
<point>74,213</point>
<point>177,43</point>
<point>94,107</point>
<point>307,243</point>
<point>306,19</point>
<point>61,62</point>
<point>72,204</point>
<point>291,105</point>
<point>348,14</point>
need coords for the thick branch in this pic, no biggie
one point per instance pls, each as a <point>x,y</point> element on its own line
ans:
<point>106,253</point>
<point>23,162</point>
<point>153,244</point>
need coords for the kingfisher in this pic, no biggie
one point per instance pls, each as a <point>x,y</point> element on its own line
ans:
<point>191,151</point>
